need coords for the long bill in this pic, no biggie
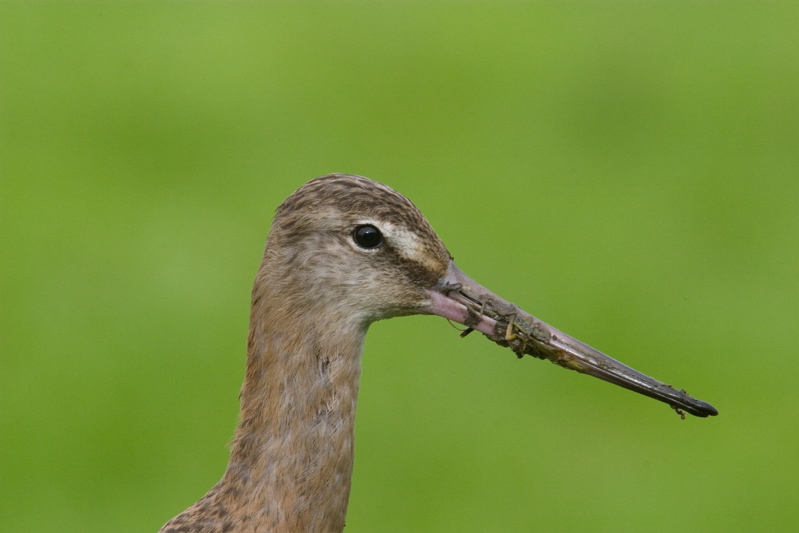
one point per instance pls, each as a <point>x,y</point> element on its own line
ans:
<point>459,298</point>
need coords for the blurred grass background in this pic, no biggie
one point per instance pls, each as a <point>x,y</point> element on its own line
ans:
<point>626,171</point>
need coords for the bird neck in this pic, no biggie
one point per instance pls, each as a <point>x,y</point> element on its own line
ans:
<point>291,461</point>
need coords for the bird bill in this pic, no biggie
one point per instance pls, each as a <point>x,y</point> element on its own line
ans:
<point>459,298</point>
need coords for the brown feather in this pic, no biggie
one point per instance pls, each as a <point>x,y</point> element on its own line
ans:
<point>312,302</point>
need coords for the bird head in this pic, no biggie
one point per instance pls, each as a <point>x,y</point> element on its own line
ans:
<point>354,251</point>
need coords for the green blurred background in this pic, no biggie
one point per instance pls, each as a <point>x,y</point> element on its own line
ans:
<point>626,171</point>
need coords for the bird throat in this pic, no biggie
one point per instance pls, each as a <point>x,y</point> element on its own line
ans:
<point>292,456</point>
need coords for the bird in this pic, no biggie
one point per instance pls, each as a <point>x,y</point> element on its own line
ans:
<point>343,252</point>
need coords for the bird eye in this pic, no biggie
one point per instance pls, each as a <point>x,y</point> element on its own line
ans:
<point>367,236</point>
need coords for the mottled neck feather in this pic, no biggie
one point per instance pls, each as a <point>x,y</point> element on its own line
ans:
<point>291,461</point>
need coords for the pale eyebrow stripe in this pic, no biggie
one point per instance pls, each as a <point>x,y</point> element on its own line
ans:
<point>407,242</point>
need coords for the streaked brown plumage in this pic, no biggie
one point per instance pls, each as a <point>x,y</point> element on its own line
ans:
<point>315,295</point>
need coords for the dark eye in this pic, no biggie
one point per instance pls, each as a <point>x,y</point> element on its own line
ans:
<point>367,236</point>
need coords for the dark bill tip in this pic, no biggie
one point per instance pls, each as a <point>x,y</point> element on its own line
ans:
<point>705,409</point>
